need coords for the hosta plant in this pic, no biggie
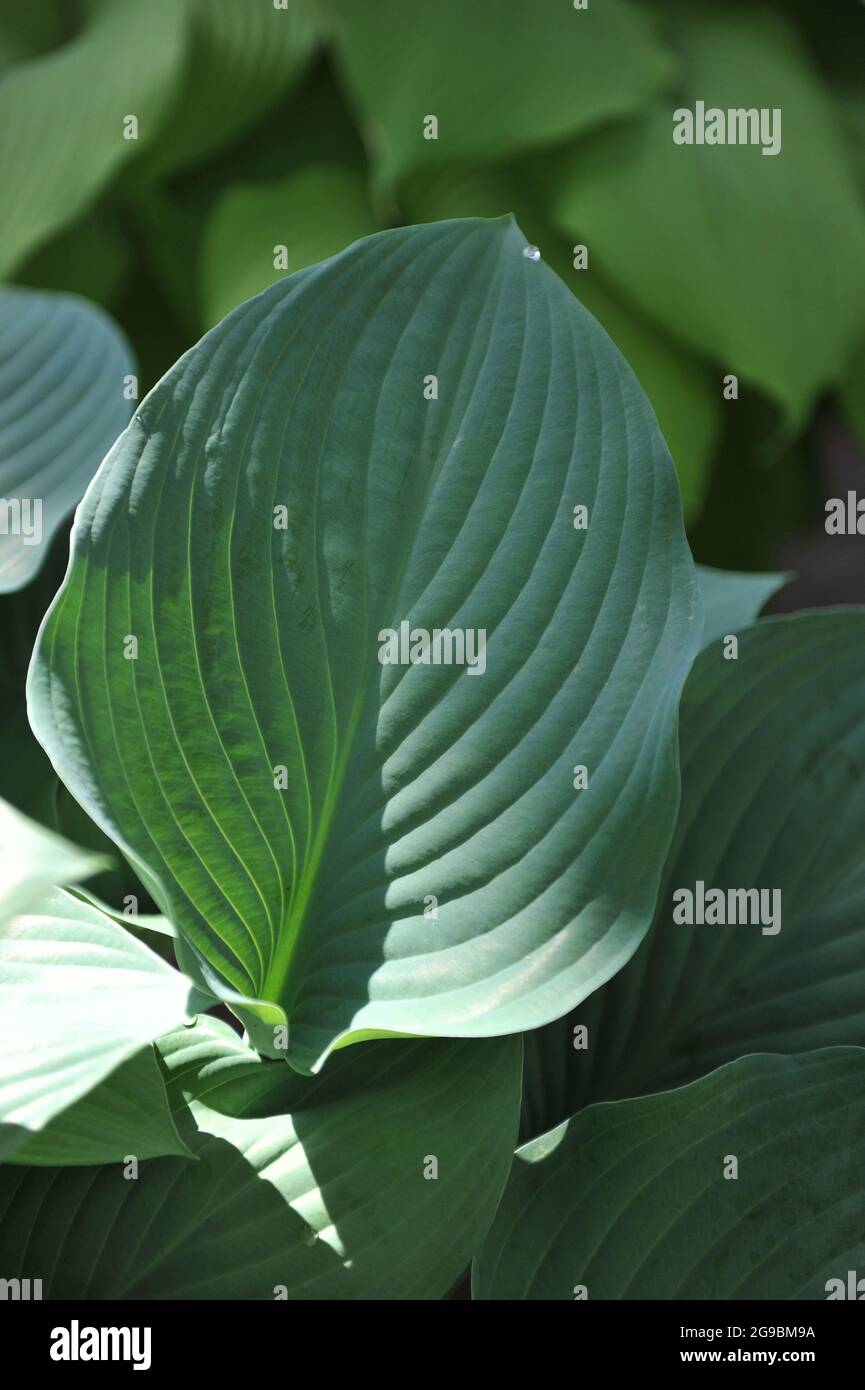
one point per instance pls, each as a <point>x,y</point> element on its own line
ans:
<point>382,660</point>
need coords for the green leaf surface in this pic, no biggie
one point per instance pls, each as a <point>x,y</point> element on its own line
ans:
<point>773,797</point>
<point>719,243</point>
<point>79,997</point>
<point>154,931</point>
<point>117,890</point>
<point>125,1116</point>
<point>240,57</point>
<point>312,214</point>
<point>132,921</point>
<point>62,369</point>
<point>732,599</point>
<point>500,76</point>
<point>629,1200</point>
<point>259,646</point>
<point>62,115</point>
<point>305,1189</point>
<point>27,780</point>
<point>33,861</point>
<point>680,388</point>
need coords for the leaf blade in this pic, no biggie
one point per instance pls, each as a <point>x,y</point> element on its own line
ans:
<point>259,646</point>
<point>497,83</point>
<point>80,998</point>
<point>759,313</point>
<point>323,1180</point>
<point>124,1116</point>
<point>772,746</point>
<point>57,151</point>
<point>629,1199</point>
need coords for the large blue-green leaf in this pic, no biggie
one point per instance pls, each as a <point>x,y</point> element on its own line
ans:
<point>773,798</point>
<point>640,1199</point>
<point>367,846</point>
<point>63,402</point>
<point>378,1179</point>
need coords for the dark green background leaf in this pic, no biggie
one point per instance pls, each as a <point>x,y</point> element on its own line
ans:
<point>498,84</point>
<point>62,115</point>
<point>313,213</point>
<point>753,261</point>
<point>630,1200</point>
<point>773,796</point>
<point>241,56</point>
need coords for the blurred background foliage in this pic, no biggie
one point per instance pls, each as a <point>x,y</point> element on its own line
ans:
<point>300,123</point>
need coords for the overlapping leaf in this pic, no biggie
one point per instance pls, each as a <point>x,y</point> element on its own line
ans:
<point>385,847</point>
<point>125,1116</point>
<point>33,861</point>
<point>773,797</point>
<point>638,1199</point>
<point>732,599</point>
<point>377,1180</point>
<point>79,996</point>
